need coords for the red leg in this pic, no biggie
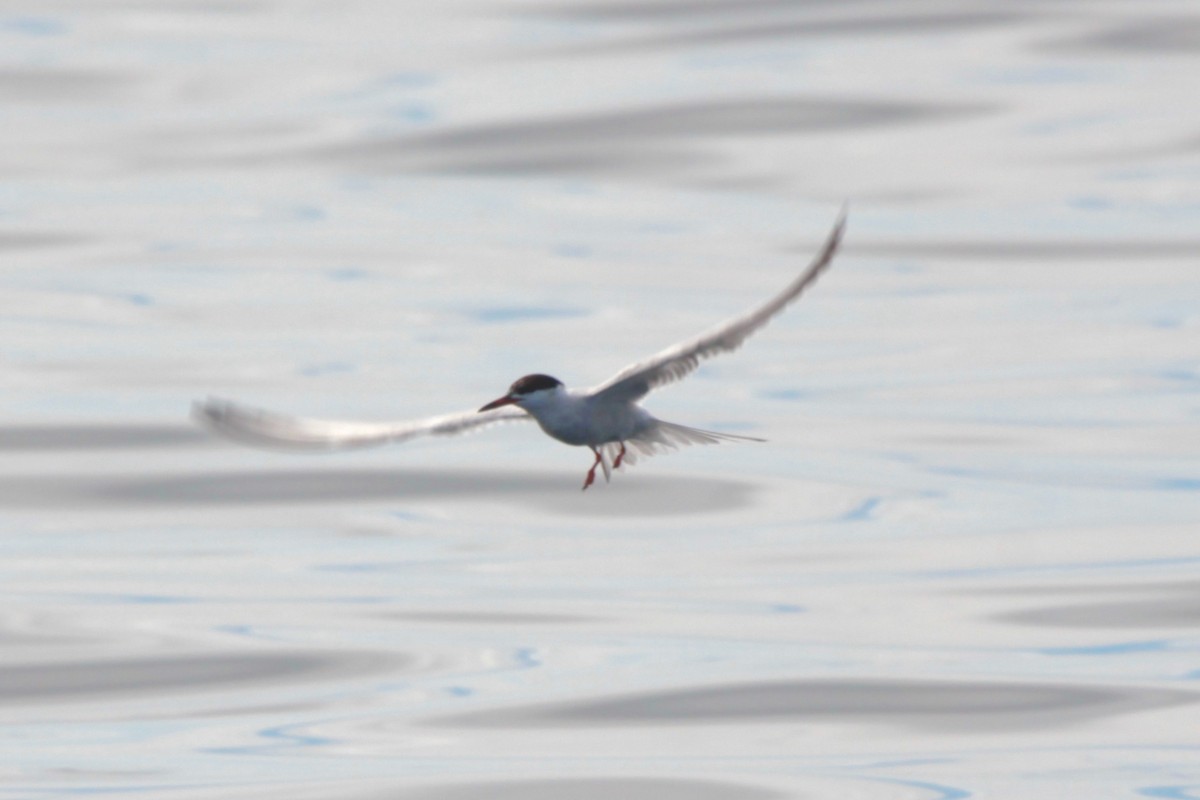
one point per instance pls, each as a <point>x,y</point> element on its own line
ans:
<point>620,455</point>
<point>591,476</point>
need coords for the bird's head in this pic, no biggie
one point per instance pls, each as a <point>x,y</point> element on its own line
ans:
<point>527,391</point>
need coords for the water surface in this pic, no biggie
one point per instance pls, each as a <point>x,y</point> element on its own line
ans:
<point>964,565</point>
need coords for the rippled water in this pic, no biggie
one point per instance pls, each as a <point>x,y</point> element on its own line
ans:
<point>966,564</point>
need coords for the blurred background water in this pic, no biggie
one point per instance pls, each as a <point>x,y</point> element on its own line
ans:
<point>966,564</point>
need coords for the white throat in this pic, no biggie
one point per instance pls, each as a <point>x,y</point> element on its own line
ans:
<point>561,413</point>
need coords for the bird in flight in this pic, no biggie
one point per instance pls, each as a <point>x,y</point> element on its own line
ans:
<point>606,418</point>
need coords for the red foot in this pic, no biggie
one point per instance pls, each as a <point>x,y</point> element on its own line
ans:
<point>591,476</point>
<point>620,456</point>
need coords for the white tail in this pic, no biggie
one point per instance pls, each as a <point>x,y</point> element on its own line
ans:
<point>662,437</point>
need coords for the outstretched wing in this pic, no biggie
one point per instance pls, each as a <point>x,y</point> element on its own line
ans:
<point>679,360</point>
<point>267,429</point>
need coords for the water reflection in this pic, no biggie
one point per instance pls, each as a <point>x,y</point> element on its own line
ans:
<point>82,679</point>
<point>98,437</point>
<point>486,619</point>
<point>729,32</point>
<point>663,141</point>
<point>655,141</point>
<point>1173,605</point>
<point>31,240</point>
<point>552,491</point>
<point>49,85</point>
<point>953,705</point>
<point>594,789</point>
<point>1026,250</point>
<point>272,198</point>
<point>1163,35</point>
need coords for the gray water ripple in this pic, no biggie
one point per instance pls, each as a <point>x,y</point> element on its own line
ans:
<point>625,788</point>
<point>675,10</point>
<point>1178,35</point>
<point>1029,249</point>
<point>969,706</point>
<point>487,619</point>
<point>553,491</point>
<point>1166,606</point>
<point>82,679</point>
<point>99,437</point>
<point>749,34</point>
<point>36,240</point>
<point>48,85</point>
<point>668,141</point>
<point>620,137</point>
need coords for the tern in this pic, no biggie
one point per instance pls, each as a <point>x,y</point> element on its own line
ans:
<point>605,418</point>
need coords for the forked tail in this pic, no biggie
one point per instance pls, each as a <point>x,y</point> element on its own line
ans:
<point>675,435</point>
<point>662,437</point>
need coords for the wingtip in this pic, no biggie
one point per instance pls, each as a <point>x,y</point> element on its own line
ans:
<point>833,243</point>
<point>200,409</point>
<point>839,226</point>
<point>215,415</point>
<point>249,426</point>
<point>209,410</point>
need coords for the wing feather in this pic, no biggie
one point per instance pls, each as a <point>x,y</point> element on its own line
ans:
<point>255,426</point>
<point>679,360</point>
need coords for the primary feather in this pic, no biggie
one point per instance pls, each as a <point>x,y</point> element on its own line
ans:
<point>680,360</point>
<point>266,428</point>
